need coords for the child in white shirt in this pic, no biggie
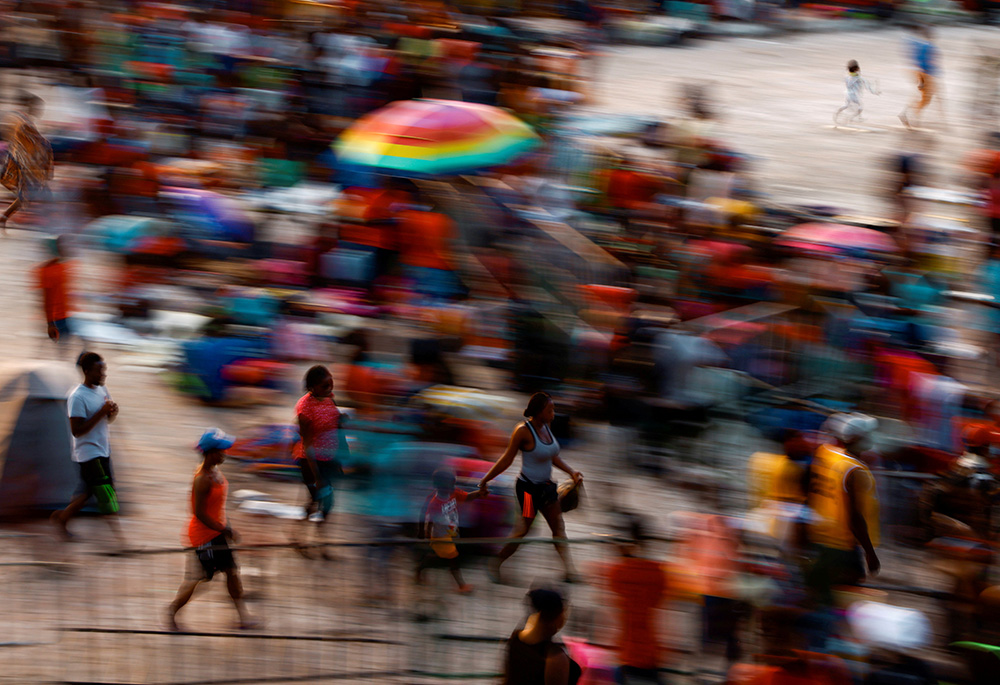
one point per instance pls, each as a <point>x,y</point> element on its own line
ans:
<point>856,83</point>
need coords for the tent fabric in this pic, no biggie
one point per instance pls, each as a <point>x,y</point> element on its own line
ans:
<point>37,380</point>
<point>36,468</point>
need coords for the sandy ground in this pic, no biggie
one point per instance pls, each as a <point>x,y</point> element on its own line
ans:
<point>775,99</point>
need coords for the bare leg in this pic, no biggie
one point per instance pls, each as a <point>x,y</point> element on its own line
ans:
<point>184,595</point>
<point>904,116</point>
<point>836,116</point>
<point>553,516</point>
<point>299,531</point>
<point>235,587</point>
<point>422,565</point>
<point>8,213</point>
<point>520,530</point>
<point>75,506</point>
<point>456,573</point>
<point>60,518</point>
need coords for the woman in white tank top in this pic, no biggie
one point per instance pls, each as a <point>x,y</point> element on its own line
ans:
<point>536,492</point>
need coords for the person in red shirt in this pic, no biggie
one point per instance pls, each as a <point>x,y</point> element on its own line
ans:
<point>367,222</point>
<point>53,280</point>
<point>631,192</point>
<point>639,586</point>
<point>321,443</point>
<point>441,525</point>
<point>425,238</point>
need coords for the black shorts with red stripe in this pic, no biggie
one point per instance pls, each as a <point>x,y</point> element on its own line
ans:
<point>531,496</point>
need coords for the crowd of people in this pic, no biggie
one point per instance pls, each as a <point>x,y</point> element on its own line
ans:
<point>691,303</point>
<point>813,531</point>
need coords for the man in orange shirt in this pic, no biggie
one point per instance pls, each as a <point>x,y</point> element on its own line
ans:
<point>425,251</point>
<point>53,281</point>
<point>367,222</point>
<point>640,588</point>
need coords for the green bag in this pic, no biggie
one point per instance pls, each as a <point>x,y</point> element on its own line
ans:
<point>104,493</point>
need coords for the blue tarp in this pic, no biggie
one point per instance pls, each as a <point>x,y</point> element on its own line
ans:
<point>206,357</point>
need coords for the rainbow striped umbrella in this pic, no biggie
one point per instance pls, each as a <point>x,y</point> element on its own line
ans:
<point>435,138</point>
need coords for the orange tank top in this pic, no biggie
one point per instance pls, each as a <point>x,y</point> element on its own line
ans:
<point>215,509</point>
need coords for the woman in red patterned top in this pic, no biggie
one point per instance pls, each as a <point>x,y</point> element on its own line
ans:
<point>321,443</point>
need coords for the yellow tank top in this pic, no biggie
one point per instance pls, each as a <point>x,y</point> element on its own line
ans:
<point>774,477</point>
<point>828,499</point>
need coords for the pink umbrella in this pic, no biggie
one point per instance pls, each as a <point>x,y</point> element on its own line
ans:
<point>818,237</point>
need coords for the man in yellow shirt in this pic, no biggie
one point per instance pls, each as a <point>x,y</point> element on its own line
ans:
<point>780,477</point>
<point>777,485</point>
<point>844,503</point>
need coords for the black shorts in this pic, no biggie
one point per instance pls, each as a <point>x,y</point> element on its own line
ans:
<point>95,472</point>
<point>534,496</point>
<point>212,557</point>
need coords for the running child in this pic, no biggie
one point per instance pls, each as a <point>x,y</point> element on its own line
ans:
<point>856,83</point>
<point>441,525</point>
<point>209,531</point>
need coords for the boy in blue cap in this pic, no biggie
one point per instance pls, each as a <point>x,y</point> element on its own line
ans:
<point>208,530</point>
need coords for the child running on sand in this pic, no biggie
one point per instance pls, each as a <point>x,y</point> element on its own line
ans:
<point>856,83</point>
<point>441,525</point>
<point>209,532</point>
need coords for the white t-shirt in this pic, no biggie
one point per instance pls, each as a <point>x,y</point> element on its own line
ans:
<point>84,402</point>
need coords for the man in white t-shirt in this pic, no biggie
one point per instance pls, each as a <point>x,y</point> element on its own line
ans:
<point>91,409</point>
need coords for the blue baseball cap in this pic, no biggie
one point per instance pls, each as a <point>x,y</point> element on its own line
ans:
<point>215,439</point>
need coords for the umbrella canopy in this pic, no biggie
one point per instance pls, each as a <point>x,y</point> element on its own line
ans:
<point>819,237</point>
<point>435,138</point>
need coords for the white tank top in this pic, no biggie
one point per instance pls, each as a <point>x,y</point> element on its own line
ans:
<point>536,464</point>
